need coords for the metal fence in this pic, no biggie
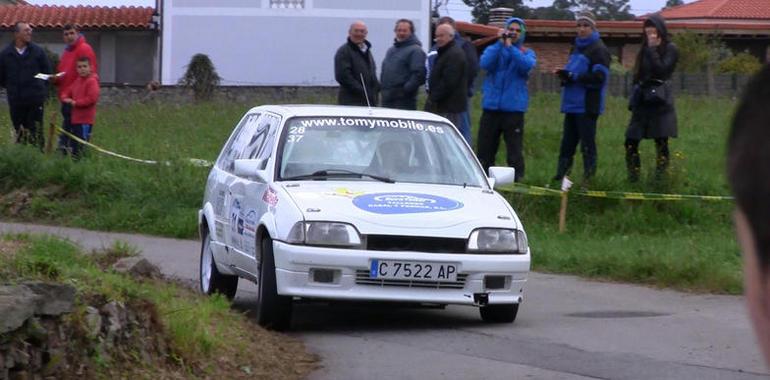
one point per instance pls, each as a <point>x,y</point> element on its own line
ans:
<point>723,85</point>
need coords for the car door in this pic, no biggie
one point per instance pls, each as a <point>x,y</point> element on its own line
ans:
<point>219,182</point>
<point>250,196</point>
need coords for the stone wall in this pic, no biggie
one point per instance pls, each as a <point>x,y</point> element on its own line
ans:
<point>123,95</point>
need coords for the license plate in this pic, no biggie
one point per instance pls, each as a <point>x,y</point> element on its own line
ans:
<point>412,270</point>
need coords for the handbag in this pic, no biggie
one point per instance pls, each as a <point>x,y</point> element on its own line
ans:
<point>654,92</point>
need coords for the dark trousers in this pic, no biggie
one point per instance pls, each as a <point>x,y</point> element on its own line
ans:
<point>511,126</point>
<point>401,103</point>
<point>634,162</point>
<point>578,128</point>
<point>27,122</point>
<point>66,116</point>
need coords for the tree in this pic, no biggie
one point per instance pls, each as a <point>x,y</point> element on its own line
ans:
<point>602,9</point>
<point>608,9</point>
<point>481,8</point>
<point>559,10</point>
<point>674,3</point>
<point>201,76</point>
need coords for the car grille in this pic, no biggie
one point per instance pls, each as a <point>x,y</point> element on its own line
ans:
<point>362,278</point>
<point>415,244</point>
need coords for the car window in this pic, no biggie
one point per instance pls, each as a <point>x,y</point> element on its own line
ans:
<point>226,160</point>
<point>416,151</point>
<point>264,153</point>
<point>254,143</point>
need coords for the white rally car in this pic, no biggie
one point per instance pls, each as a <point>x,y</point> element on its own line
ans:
<point>352,203</point>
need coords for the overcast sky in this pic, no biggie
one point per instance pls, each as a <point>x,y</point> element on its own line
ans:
<point>456,8</point>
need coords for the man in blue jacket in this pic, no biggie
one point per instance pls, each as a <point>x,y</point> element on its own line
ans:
<point>20,61</point>
<point>507,63</point>
<point>584,83</point>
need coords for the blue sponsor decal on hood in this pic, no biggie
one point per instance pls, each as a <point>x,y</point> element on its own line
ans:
<point>404,203</point>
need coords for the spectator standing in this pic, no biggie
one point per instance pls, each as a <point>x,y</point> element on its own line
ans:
<point>352,63</point>
<point>20,61</point>
<point>448,80</point>
<point>82,95</point>
<point>652,104</point>
<point>77,47</point>
<point>748,170</point>
<point>506,98</point>
<point>471,67</point>
<point>403,69</point>
<point>584,82</point>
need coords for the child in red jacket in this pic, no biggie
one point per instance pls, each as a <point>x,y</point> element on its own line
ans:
<point>82,95</point>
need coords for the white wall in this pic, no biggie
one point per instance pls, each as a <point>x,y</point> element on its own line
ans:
<point>252,44</point>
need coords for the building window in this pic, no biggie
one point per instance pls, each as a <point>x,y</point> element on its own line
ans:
<point>287,4</point>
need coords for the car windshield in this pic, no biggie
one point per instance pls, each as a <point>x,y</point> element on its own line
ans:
<point>370,149</point>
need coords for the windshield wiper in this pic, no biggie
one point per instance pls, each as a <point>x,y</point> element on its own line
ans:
<point>328,173</point>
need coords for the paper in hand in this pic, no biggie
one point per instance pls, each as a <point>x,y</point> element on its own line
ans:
<point>48,76</point>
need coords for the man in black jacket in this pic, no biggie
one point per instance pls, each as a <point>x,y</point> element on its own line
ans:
<point>20,61</point>
<point>353,64</point>
<point>471,68</point>
<point>448,82</point>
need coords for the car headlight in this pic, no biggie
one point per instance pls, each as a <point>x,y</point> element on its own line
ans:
<point>498,240</point>
<point>333,234</point>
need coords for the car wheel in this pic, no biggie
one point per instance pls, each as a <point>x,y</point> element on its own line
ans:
<point>499,313</point>
<point>211,281</point>
<point>273,310</point>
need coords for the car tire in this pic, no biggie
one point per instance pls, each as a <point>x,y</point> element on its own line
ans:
<point>210,280</point>
<point>499,313</point>
<point>273,310</point>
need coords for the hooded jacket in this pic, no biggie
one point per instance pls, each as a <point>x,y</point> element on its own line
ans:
<point>654,64</point>
<point>403,70</point>
<point>350,65</point>
<point>17,74</point>
<point>589,70</point>
<point>505,86</point>
<point>68,63</point>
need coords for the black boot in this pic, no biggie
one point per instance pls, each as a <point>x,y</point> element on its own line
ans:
<point>662,158</point>
<point>633,161</point>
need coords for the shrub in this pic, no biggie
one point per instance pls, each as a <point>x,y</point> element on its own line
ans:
<point>201,77</point>
<point>741,63</point>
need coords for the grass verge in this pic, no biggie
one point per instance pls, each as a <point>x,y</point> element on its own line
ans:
<point>204,337</point>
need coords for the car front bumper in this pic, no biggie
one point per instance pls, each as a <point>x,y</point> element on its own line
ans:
<point>295,265</point>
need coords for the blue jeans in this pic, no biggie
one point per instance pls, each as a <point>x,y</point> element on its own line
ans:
<point>465,123</point>
<point>82,131</point>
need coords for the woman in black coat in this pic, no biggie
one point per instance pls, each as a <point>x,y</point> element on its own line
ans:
<point>652,103</point>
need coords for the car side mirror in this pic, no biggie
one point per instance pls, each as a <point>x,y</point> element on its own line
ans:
<point>251,168</point>
<point>501,175</point>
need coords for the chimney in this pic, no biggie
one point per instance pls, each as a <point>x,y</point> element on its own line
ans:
<point>497,16</point>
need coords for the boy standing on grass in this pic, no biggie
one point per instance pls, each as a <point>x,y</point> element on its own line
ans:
<point>82,96</point>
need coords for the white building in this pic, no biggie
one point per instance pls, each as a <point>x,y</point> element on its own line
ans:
<point>277,42</point>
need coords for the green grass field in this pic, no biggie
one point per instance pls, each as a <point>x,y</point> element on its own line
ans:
<point>683,244</point>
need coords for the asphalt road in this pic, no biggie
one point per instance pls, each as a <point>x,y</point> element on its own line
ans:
<point>567,328</point>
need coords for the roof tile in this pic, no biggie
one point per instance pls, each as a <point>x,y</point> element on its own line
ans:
<point>720,9</point>
<point>83,16</point>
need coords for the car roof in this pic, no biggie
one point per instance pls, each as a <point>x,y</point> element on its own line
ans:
<point>289,110</point>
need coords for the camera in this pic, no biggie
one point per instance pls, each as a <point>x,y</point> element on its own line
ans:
<point>507,35</point>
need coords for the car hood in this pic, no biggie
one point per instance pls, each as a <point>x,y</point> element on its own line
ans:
<point>406,209</point>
